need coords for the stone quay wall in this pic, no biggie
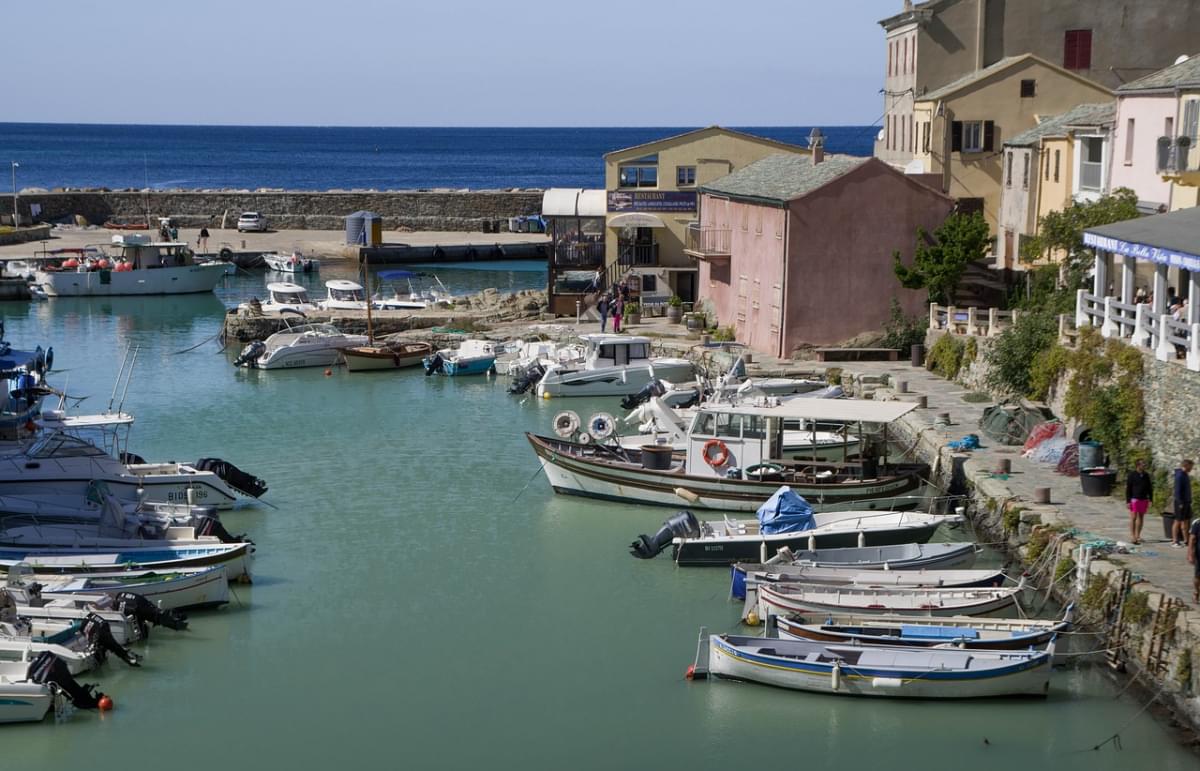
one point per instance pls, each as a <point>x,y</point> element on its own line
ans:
<point>473,210</point>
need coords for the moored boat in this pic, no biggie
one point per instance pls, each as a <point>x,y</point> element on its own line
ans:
<point>303,345</point>
<point>143,267</point>
<point>385,355</point>
<point>885,671</point>
<point>292,262</point>
<point>959,631</point>
<point>472,357</point>
<point>176,590</point>
<point>612,365</point>
<point>162,556</point>
<point>797,598</point>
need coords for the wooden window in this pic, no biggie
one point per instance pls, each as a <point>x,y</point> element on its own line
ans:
<point>904,59</point>
<point>1129,141</point>
<point>912,133</point>
<point>925,137</point>
<point>1008,158</point>
<point>1077,49</point>
<point>1027,157</point>
<point>685,176</point>
<point>1046,163</point>
<point>972,136</point>
<point>1028,88</point>
<point>1057,163</point>
<point>891,57</point>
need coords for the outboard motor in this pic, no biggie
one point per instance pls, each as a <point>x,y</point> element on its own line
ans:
<point>144,612</point>
<point>46,668</point>
<point>236,478</point>
<point>434,365</point>
<point>99,634</point>
<point>131,459</point>
<point>250,354</point>
<point>523,381</point>
<point>682,525</point>
<point>653,388</point>
<point>205,525</point>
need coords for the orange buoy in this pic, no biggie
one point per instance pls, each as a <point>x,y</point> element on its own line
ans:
<point>690,674</point>
<point>328,373</point>
<point>105,703</point>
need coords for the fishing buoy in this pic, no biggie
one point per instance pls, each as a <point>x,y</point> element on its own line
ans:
<point>836,675</point>
<point>686,494</point>
<point>105,703</point>
<point>690,674</point>
<point>328,373</point>
<point>752,618</point>
<point>545,395</point>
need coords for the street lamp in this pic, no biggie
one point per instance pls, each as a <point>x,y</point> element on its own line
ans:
<point>16,222</point>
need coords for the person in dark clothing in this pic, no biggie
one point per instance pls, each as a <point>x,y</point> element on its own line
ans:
<point>602,309</point>
<point>1139,489</point>
<point>1194,558</point>
<point>1183,504</point>
<point>202,240</point>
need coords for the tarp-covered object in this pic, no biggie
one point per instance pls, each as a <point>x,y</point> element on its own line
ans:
<point>785,512</point>
<point>1011,423</point>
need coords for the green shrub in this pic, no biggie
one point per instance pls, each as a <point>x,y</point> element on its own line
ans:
<point>1104,393</point>
<point>1048,366</point>
<point>724,335</point>
<point>675,301</point>
<point>970,352</point>
<point>1012,519</point>
<point>1136,608</point>
<point>833,376</point>
<point>1016,348</point>
<point>945,358</point>
<point>1095,595</point>
<point>902,332</point>
<point>1064,567</point>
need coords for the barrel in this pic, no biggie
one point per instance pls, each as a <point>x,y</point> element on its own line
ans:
<point>1091,454</point>
<point>656,457</point>
<point>1097,482</point>
<point>918,355</point>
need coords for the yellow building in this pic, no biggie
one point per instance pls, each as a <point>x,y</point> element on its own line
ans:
<point>651,202</point>
<point>963,125</point>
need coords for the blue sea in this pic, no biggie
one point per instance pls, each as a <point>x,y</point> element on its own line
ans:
<point>323,158</point>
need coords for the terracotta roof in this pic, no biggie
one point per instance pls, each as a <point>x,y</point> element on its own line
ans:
<point>710,130</point>
<point>1099,114</point>
<point>782,178</point>
<point>1186,74</point>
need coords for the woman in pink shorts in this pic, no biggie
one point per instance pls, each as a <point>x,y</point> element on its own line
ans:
<point>1139,490</point>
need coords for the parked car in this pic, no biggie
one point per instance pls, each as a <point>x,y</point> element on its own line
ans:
<point>251,220</point>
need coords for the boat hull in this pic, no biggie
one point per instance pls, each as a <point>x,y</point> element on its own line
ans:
<point>236,559</point>
<point>719,552</point>
<point>24,702</point>
<point>155,482</point>
<point>367,359</point>
<point>1026,676</point>
<point>797,629</point>
<point>774,599</point>
<point>183,279</point>
<point>199,589</point>
<point>570,474</point>
<point>614,381</point>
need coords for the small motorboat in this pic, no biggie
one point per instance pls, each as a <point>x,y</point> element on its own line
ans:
<point>385,354</point>
<point>417,298</point>
<point>612,365</point>
<point>294,262</point>
<point>906,556</point>
<point>344,295</point>
<point>29,691</point>
<point>785,520</point>
<point>799,599</point>
<point>184,588</point>
<point>161,557</point>
<point>302,345</point>
<point>867,670</point>
<point>472,357</point>
<point>959,631</point>
<point>919,578</point>
<point>282,297</point>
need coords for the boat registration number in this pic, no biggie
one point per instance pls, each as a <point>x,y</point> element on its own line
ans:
<point>198,494</point>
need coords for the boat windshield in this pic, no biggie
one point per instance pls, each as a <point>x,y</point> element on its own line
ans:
<point>729,425</point>
<point>346,294</point>
<point>290,298</point>
<point>63,446</point>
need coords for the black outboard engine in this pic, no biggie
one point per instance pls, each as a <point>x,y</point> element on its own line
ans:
<point>434,365</point>
<point>239,480</point>
<point>682,525</point>
<point>250,354</point>
<point>99,634</point>
<point>131,459</point>
<point>144,612</point>
<point>47,668</point>
<point>653,388</point>
<point>206,525</point>
<point>523,381</point>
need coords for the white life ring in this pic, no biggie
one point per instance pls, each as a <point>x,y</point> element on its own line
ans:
<point>601,425</point>
<point>566,423</point>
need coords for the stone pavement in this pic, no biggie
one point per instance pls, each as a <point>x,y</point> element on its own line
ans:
<point>1096,518</point>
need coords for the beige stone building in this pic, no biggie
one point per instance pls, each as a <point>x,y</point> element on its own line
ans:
<point>962,127</point>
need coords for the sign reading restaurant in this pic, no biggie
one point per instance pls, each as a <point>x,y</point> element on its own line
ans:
<point>651,200</point>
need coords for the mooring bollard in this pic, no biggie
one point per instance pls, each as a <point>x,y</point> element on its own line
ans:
<point>922,402</point>
<point>943,419</point>
<point>1004,466</point>
<point>918,355</point>
<point>1041,495</point>
<point>902,386</point>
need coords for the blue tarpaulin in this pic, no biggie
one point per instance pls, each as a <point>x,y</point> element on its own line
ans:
<point>785,512</point>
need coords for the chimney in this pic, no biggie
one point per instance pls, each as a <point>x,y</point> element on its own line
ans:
<point>816,145</point>
<point>908,5</point>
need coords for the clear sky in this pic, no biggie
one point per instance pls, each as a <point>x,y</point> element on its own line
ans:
<point>444,62</point>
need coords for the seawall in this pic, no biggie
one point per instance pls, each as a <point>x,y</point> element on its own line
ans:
<point>470,210</point>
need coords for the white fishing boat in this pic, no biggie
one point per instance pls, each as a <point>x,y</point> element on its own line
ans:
<point>525,362</point>
<point>865,670</point>
<point>282,297</point>
<point>292,262</point>
<point>301,345</point>
<point>140,267</point>
<point>181,589</point>
<point>162,557</point>
<point>798,599</point>
<point>22,701</point>
<point>16,656</point>
<point>613,365</point>
<point>734,461</point>
<point>344,295</point>
<point>471,357</point>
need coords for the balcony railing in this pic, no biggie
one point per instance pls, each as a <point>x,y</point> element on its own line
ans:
<point>630,253</point>
<point>579,253</point>
<point>707,241</point>
<point>1177,155</point>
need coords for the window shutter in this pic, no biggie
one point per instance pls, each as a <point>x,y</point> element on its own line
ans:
<point>989,135</point>
<point>956,136</point>
<point>1070,50</point>
<point>1084,53</point>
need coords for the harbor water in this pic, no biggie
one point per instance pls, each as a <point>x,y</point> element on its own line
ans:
<point>423,600</point>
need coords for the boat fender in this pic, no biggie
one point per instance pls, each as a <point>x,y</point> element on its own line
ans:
<point>601,425</point>
<point>226,254</point>
<point>886,682</point>
<point>566,423</point>
<point>47,669</point>
<point>718,458</point>
<point>862,539</point>
<point>762,551</point>
<point>681,525</point>
<point>812,543</point>
<point>835,676</point>
<point>686,494</point>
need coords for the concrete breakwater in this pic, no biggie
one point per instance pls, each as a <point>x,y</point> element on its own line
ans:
<point>472,210</point>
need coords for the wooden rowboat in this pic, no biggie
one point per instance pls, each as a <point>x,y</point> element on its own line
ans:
<point>384,356</point>
<point>959,631</point>
<point>798,599</point>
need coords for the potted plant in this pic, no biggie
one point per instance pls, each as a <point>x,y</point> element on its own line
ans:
<point>675,309</point>
<point>633,314</point>
<point>695,322</point>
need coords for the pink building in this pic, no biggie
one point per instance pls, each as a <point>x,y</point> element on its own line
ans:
<point>797,250</point>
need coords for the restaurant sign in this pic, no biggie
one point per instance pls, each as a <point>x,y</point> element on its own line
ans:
<point>1169,257</point>
<point>651,201</point>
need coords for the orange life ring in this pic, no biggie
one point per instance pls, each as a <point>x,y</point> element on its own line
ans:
<point>722,456</point>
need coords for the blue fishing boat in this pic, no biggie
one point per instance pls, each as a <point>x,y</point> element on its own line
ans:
<point>24,386</point>
<point>473,357</point>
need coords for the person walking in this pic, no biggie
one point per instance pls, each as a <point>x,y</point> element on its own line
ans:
<point>202,241</point>
<point>1183,504</point>
<point>1139,490</point>
<point>602,309</point>
<point>1194,558</point>
<point>618,309</point>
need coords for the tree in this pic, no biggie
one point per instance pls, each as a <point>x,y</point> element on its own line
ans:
<point>1061,232</point>
<point>939,261</point>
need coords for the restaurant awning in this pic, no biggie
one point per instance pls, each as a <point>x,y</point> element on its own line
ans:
<point>1167,239</point>
<point>573,202</point>
<point>636,220</point>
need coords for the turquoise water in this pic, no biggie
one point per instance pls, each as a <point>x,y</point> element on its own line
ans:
<point>417,606</point>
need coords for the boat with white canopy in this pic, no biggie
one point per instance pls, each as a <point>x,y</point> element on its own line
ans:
<point>139,267</point>
<point>612,365</point>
